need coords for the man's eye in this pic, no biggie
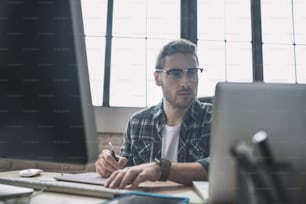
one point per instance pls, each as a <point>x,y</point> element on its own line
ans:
<point>176,73</point>
<point>192,71</point>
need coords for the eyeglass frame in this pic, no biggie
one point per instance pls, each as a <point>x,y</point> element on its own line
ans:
<point>168,72</point>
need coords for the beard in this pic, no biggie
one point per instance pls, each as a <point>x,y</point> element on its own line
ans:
<point>179,101</point>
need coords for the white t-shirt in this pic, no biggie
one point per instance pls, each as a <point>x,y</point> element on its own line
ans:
<point>170,142</point>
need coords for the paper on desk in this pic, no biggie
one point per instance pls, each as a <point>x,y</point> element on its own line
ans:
<point>201,188</point>
<point>88,178</point>
<point>95,178</point>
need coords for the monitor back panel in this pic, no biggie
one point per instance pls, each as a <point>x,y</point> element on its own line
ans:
<point>45,103</point>
<point>241,110</point>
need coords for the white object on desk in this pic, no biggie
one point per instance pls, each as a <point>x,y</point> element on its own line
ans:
<point>30,172</point>
<point>202,188</point>
<point>87,177</point>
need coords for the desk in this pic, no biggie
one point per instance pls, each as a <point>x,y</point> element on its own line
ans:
<point>45,197</point>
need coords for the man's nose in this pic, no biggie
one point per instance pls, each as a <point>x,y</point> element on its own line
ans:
<point>185,79</point>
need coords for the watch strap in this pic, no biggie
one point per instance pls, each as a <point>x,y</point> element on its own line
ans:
<point>165,166</point>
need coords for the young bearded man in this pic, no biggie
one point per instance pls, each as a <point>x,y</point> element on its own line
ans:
<point>169,141</point>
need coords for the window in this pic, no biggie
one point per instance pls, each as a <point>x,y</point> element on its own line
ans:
<point>141,27</point>
<point>224,45</point>
<point>94,20</point>
<point>284,41</point>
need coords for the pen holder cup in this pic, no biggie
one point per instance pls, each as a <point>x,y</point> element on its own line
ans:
<point>267,184</point>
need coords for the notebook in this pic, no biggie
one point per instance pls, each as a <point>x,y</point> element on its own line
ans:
<point>88,178</point>
<point>9,191</point>
<point>243,109</point>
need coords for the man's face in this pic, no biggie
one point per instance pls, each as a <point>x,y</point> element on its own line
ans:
<point>178,90</point>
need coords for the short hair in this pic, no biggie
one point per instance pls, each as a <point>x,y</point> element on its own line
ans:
<point>182,46</point>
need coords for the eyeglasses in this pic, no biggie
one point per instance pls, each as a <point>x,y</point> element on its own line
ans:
<point>177,74</point>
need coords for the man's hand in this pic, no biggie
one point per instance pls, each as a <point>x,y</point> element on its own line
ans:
<point>106,164</point>
<point>134,175</point>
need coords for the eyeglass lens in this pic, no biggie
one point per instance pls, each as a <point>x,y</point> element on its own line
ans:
<point>192,73</point>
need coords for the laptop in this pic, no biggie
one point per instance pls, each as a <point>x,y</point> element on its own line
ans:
<point>243,109</point>
<point>14,192</point>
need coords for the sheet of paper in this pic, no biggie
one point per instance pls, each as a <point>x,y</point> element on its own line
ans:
<point>202,188</point>
<point>88,177</point>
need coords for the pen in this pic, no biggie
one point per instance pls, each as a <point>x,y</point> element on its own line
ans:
<point>260,177</point>
<point>113,151</point>
<point>261,140</point>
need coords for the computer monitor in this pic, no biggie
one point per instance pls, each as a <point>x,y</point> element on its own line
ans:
<point>46,112</point>
<point>243,109</point>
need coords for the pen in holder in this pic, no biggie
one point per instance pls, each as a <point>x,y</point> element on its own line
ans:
<point>273,168</point>
<point>255,186</point>
<point>258,179</point>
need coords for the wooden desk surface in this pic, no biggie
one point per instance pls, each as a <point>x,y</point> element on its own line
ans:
<point>168,188</point>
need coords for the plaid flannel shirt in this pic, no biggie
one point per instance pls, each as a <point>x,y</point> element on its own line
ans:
<point>143,137</point>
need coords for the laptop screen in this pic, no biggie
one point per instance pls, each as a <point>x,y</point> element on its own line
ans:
<point>243,109</point>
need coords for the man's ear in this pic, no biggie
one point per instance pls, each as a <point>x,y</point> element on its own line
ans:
<point>157,78</point>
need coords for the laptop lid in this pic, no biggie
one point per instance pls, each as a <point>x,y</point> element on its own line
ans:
<point>241,110</point>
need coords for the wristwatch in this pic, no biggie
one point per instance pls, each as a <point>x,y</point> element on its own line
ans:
<point>165,166</point>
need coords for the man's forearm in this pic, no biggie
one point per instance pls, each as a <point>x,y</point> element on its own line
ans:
<point>185,173</point>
